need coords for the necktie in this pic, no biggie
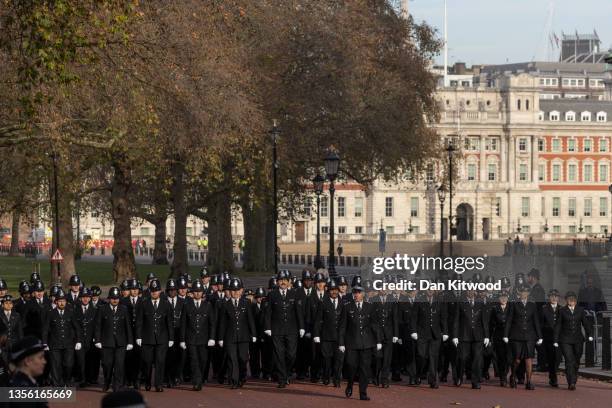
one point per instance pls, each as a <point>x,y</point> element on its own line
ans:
<point>320,296</point>
<point>173,304</point>
<point>155,304</point>
<point>359,306</point>
<point>84,309</point>
<point>283,294</point>
<point>61,313</point>
<point>335,303</point>
<point>114,309</point>
<point>236,303</point>
<point>197,304</point>
<point>134,301</point>
<point>8,316</point>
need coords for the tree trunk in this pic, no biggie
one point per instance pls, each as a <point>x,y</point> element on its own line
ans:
<point>160,251</point>
<point>66,240</point>
<point>180,264</point>
<point>254,221</point>
<point>220,244</point>
<point>14,250</point>
<point>124,264</point>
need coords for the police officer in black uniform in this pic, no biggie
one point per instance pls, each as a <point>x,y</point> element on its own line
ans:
<point>549,318</point>
<point>86,316</point>
<point>176,356</point>
<point>198,333</point>
<point>28,357</point>
<point>11,321</point>
<point>568,336</point>
<point>503,353</point>
<point>325,334</point>
<point>358,335</point>
<point>133,363</point>
<point>284,322</point>
<point>72,297</point>
<point>62,334</point>
<point>24,296</point>
<point>386,315</point>
<point>407,316</point>
<point>36,310</point>
<point>113,336</point>
<point>154,333</point>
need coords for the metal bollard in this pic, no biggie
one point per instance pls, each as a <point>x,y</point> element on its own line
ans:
<point>606,350</point>
<point>589,350</point>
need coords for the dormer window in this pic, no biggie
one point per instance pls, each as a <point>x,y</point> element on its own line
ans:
<point>554,116</point>
<point>602,116</point>
<point>541,116</point>
<point>570,116</point>
<point>585,116</point>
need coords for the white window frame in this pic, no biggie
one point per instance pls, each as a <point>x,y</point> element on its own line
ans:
<point>585,116</point>
<point>602,117</point>
<point>570,116</point>
<point>554,116</point>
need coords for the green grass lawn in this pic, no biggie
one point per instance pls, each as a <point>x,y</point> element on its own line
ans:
<point>14,270</point>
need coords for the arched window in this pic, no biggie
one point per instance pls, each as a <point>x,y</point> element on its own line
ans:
<point>526,104</point>
<point>518,104</point>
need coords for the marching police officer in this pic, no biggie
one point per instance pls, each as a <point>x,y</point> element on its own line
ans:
<point>568,336</point>
<point>325,334</point>
<point>154,333</point>
<point>471,331</point>
<point>75,287</point>
<point>386,314</point>
<point>113,336</point>
<point>503,353</point>
<point>62,334</point>
<point>197,333</point>
<point>36,310</point>
<point>86,317</point>
<point>12,321</point>
<point>305,350</point>
<point>284,321</point>
<point>24,296</point>
<point>236,330</point>
<point>133,362</point>
<point>358,335</point>
<point>175,357</point>
<point>549,317</point>
<point>524,333</point>
<point>406,313</point>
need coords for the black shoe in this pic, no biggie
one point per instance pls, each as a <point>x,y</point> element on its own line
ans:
<point>571,387</point>
<point>458,383</point>
<point>234,386</point>
<point>502,383</point>
<point>529,386</point>
<point>553,383</point>
<point>287,381</point>
<point>512,382</point>
<point>159,389</point>
<point>396,378</point>
<point>486,376</point>
<point>105,388</point>
<point>385,385</point>
<point>281,385</point>
<point>434,385</point>
<point>411,381</point>
<point>375,382</point>
<point>364,398</point>
<point>147,387</point>
<point>521,381</point>
<point>417,381</point>
<point>83,384</point>
<point>326,381</point>
<point>443,378</point>
<point>475,386</point>
<point>349,391</point>
<point>197,387</point>
<point>336,384</point>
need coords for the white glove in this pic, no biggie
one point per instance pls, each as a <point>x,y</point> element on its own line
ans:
<point>308,335</point>
<point>456,341</point>
<point>342,349</point>
<point>539,342</point>
<point>317,339</point>
<point>556,344</point>
<point>46,348</point>
<point>139,342</point>
<point>170,343</point>
<point>505,339</point>
<point>414,336</point>
<point>220,343</point>
<point>268,332</point>
<point>211,343</point>
<point>444,337</point>
<point>590,338</point>
<point>486,342</point>
<point>302,332</point>
<point>400,341</point>
<point>394,340</point>
<point>99,345</point>
<point>128,347</point>
<point>183,345</point>
<point>254,339</point>
<point>378,347</point>
<point>77,346</point>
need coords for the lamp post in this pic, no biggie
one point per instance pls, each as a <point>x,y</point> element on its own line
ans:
<point>450,150</point>
<point>318,189</point>
<point>275,133</point>
<point>610,190</point>
<point>332,162</point>
<point>56,238</point>
<point>442,198</point>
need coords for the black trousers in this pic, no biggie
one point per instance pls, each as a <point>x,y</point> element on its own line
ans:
<point>113,364</point>
<point>81,357</point>
<point>332,361</point>
<point>175,360</point>
<point>448,360</point>
<point>316,363</point>
<point>427,351</point>
<point>218,360</point>
<point>62,361</point>
<point>470,352</point>
<point>285,348</point>
<point>267,357</point>
<point>553,359</point>
<point>238,356</point>
<point>303,357</point>
<point>503,358</point>
<point>92,365</point>
<point>198,358</point>
<point>255,358</point>
<point>358,362</point>
<point>410,355</point>
<point>397,361</point>
<point>154,355</point>
<point>133,365</point>
<point>572,353</point>
<point>383,363</point>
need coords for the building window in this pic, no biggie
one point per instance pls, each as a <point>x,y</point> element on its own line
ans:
<point>471,172</point>
<point>602,116</point>
<point>429,172</point>
<point>556,229</point>
<point>341,206</point>
<point>390,229</point>
<point>587,145</point>
<point>556,172</point>
<point>492,172</point>
<point>472,144</point>
<point>571,172</point>
<point>497,206</point>
<point>556,145</point>
<point>525,207</point>
<point>526,229</point>
<point>588,229</point>
<point>307,207</point>
<point>541,172</point>
<point>523,172</point>
<point>518,104</point>
<point>570,116</point>
<point>603,206</point>
<point>588,207</point>
<point>603,144</point>
<point>588,173</point>
<point>388,206</point>
<point>572,229</point>
<point>603,229</point>
<point>556,206</point>
<point>325,230</point>
<point>341,230</point>
<point>526,104</point>
<point>358,206</point>
<point>553,116</point>
<point>543,207</point>
<point>358,230</point>
<point>603,172</point>
<point>324,206</point>
<point>585,116</point>
<point>522,144</point>
<point>541,115</point>
<point>415,229</point>
<point>540,145</point>
<point>492,144</point>
<point>571,207</point>
<point>571,145</point>
<point>145,231</point>
<point>414,206</point>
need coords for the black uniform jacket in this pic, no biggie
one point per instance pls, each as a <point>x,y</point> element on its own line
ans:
<point>358,328</point>
<point>198,324</point>
<point>327,320</point>
<point>523,322</point>
<point>430,320</point>
<point>569,326</point>
<point>61,331</point>
<point>284,316</point>
<point>113,329</point>
<point>471,323</point>
<point>153,326</point>
<point>386,315</point>
<point>237,324</point>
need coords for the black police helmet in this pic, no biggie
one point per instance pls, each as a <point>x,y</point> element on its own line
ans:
<point>197,286</point>
<point>204,273</point>
<point>272,283</point>
<point>60,294</point>
<point>260,292</point>
<point>182,283</point>
<point>24,287</point>
<point>171,284</point>
<point>86,292</point>
<point>37,286</point>
<point>283,274</point>
<point>306,274</point>
<point>298,283</point>
<point>150,276</point>
<point>155,285</point>
<point>114,293</point>
<point>332,285</point>
<point>356,280</point>
<point>341,280</point>
<point>235,284</point>
<point>74,280</point>
<point>3,285</point>
<point>35,276</point>
<point>319,277</point>
<point>96,291</point>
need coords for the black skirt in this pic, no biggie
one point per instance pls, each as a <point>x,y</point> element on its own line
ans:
<point>523,349</point>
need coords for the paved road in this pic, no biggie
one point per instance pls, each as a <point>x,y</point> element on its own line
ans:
<point>255,394</point>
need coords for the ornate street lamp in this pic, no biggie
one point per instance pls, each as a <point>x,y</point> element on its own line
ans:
<point>450,150</point>
<point>332,163</point>
<point>442,198</point>
<point>275,134</point>
<point>318,189</point>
